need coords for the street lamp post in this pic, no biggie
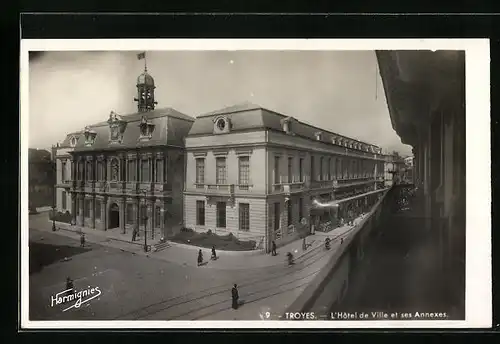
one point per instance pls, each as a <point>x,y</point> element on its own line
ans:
<point>145,219</point>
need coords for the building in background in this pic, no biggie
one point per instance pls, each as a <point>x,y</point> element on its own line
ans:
<point>262,175</point>
<point>425,92</point>
<point>394,169</point>
<point>128,171</point>
<point>41,178</point>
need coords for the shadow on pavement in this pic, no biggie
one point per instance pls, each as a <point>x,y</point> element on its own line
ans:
<point>46,254</point>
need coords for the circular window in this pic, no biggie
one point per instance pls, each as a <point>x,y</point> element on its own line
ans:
<point>221,124</point>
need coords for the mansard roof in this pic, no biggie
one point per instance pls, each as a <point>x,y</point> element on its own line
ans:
<point>250,116</point>
<point>171,127</point>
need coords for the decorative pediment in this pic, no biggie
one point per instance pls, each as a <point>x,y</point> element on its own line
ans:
<point>222,125</point>
<point>90,136</point>
<point>146,128</point>
<point>116,127</point>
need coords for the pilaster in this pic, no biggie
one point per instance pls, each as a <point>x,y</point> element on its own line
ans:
<point>104,214</point>
<point>79,219</point>
<point>121,205</point>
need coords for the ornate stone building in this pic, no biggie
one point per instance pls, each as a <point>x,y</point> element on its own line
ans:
<point>257,173</point>
<point>127,171</point>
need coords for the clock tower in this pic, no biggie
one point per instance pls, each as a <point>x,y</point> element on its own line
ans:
<point>145,92</point>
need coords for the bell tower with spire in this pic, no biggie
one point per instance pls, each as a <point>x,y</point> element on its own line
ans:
<point>145,89</point>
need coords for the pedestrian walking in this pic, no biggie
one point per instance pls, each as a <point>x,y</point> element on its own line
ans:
<point>273,248</point>
<point>235,296</point>
<point>341,241</point>
<point>200,257</point>
<point>82,240</point>
<point>134,234</point>
<point>214,255</point>
<point>304,244</point>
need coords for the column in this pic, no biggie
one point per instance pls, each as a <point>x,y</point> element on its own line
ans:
<point>150,214</point>
<point>163,218</point>
<point>104,214</point>
<point>73,207</point>
<point>121,204</point>
<point>137,213</point>
<point>92,212</point>
<point>79,219</point>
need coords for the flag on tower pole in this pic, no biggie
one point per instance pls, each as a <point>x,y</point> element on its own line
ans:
<point>141,56</point>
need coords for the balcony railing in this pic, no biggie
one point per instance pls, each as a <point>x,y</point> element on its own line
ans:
<point>219,189</point>
<point>322,184</point>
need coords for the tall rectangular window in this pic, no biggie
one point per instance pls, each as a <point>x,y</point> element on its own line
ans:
<point>329,169</point>
<point>89,171</point>
<point>290,170</point>
<point>159,170</point>
<point>86,208</point>
<point>200,171</point>
<point>221,214</point>
<point>131,170</point>
<point>340,173</point>
<point>244,171</point>
<point>313,169</point>
<point>144,170</point>
<point>130,214</point>
<point>63,171</point>
<point>321,168</point>
<point>301,207</point>
<point>290,212</point>
<point>276,216</point>
<point>221,171</point>
<point>244,217</point>
<point>97,209</point>
<point>99,170</point>
<point>301,170</point>
<point>157,221</point>
<point>277,170</point>
<point>200,213</point>
<point>64,199</point>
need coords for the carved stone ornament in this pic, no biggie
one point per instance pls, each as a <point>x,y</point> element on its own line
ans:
<point>116,127</point>
<point>146,129</point>
<point>90,136</point>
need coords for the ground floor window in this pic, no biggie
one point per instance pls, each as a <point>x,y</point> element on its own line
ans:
<point>244,216</point>
<point>290,212</point>
<point>276,216</point>
<point>200,213</point>
<point>157,217</point>
<point>143,214</point>
<point>97,211</point>
<point>221,214</point>
<point>86,209</point>
<point>130,214</point>
<point>301,206</point>
<point>64,200</point>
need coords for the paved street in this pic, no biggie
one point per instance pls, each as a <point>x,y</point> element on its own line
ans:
<point>166,284</point>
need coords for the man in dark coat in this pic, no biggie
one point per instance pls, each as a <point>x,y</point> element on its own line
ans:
<point>235,296</point>
<point>82,240</point>
<point>273,248</point>
<point>134,234</point>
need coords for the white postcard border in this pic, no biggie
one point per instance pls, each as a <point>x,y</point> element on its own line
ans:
<point>478,175</point>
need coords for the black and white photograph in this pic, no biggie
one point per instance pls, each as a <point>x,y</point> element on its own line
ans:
<point>255,183</point>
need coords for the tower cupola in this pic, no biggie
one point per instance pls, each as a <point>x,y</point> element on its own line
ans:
<point>145,89</point>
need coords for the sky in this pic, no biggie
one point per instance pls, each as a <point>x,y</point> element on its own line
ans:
<point>340,91</point>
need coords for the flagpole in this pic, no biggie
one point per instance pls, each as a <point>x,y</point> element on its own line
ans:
<point>376,83</point>
<point>145,63</point>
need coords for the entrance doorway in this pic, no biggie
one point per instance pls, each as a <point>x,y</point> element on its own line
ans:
<point>114,216</point>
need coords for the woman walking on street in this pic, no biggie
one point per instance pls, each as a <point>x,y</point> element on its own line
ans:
<point>200,257</point>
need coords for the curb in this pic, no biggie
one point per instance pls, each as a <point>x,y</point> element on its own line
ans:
<point>219,252</point>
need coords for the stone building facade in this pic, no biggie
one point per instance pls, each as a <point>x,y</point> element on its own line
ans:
<point>127,172</point>
<point>256,173</point>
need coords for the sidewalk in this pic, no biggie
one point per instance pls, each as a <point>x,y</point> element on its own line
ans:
<point>187,256</point>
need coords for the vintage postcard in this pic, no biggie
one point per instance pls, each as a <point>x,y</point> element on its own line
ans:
<point>255,183</point>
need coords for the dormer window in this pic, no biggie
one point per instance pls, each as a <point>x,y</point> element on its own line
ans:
<point>116,127</point>
<point>146,129</point>
<point>286,124</point>
<point>90,136</point>
<point>318,135</point>
<point>222,125</point>
<point>73,141</point>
